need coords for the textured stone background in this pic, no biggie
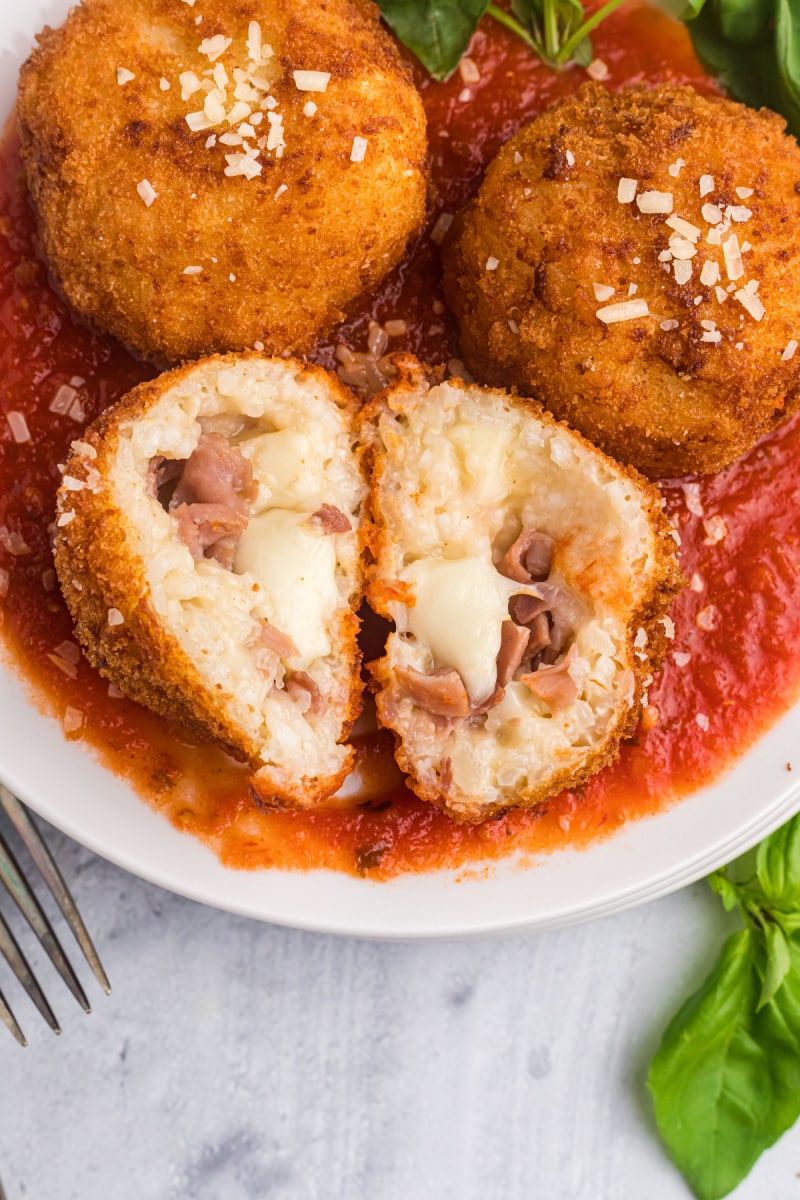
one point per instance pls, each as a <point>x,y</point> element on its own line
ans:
<point>238,1061</point>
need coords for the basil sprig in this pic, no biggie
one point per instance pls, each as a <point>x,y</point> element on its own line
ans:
<point>726,1079</point>
<point>753,46</point>
<point>439,31</point>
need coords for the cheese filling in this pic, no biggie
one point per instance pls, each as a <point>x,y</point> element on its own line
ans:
<point>460,605</point>
<point>294,563</point>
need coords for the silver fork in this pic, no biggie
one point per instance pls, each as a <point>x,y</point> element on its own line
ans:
<point>12,877</point>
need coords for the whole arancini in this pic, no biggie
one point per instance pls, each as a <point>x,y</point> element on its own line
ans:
<point>207,177</point>
<point>632,261</point>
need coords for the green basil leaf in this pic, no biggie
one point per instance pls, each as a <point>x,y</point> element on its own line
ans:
<point>787,50</point>
<point>708,1074</point>
<point>778,866</point>
<point>693,9</point>
<point>583,54</point>
<point>726,1078</point>
<point>749,73</point>
<point>529,12</point>
<point>437,31</point>
<point>778,962</point>
<point>743,21</point>
<point>720,883</point>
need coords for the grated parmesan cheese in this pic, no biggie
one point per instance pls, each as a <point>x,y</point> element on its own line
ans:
<point>147,192</point>
<point>73,717</point>
<point>750,303</point>
<point>706,184</point>
<point>115,617</point>
<point>441,226</point>
<point>716,530</point>
<point>597,70</point>
<point>359,149</point>
<point>789,352</point>
<point>63,398</point>
<point>492,263</point>
<point>733,258</point>
<point>709,274</point>
<point>309,108</point>
<point>708,618</point>
<point>18,426</point>
<point>214,47</point>
<point>654,202</point>
<point>685,228</point>
<point>124,75</point>
<point>668,325</point>
<point>626,190</point>
<point>468,70</point>
<point>683,271</point>
<point>311,81</point>
<point>627,310</point>
<point>602,291</point>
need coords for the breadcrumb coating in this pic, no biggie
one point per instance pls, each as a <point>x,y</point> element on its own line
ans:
<point>153,227</point>
<point>630,260</point>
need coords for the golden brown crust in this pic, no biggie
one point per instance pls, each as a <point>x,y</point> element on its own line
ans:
<point>666,401</point>
<point>299,260</point>
<point>99,570</point>
<point>413,380</point>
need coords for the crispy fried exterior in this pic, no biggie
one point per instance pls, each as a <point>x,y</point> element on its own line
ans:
<point>97,570</point>
<point>665,400</point>
<point>279,269</point>
<point>407,390</point>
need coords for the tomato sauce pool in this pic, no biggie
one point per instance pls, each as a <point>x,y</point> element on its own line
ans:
<point>733,666</point>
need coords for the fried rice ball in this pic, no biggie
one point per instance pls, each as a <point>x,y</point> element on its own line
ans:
<point>208,547</point>
<point>632,261</point>
<point>211,177</point>
<point>528,577</point>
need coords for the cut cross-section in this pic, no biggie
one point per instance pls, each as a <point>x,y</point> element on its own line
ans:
<point>215,514</point>
<point>527,576</point>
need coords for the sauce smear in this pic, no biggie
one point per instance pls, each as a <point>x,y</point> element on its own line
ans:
<point>733,667</point>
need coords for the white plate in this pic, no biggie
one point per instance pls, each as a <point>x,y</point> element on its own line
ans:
<point>66,785</point>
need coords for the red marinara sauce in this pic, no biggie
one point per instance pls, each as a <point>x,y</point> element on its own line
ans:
<point>733,667</point>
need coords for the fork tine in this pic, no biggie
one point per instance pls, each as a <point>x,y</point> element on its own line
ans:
<point>10,1021</point>
<point>54,880</point>
<point>19,965</point>
<point>31,909</point>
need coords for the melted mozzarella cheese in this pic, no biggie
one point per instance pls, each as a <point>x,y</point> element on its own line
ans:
<point>295,564</point>
<point>460,605</point>
<point>286,464</point>
<point>485,453</point>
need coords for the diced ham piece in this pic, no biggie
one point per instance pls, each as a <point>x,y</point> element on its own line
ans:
<point>532,611</point>
<point>211,500</point>
<point>529,558</point>
<point>210,531</point>
<point>553,684</point>
<point>513,645</point>
<point>331,519</point>
<point>304,691</point>
<point>216,473</point>
<point>441,693</point>
<point>524,609</point>
<point>539,635</point>
<point>162,471</point>
<point>279,643</point>
<point>565,617</point>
